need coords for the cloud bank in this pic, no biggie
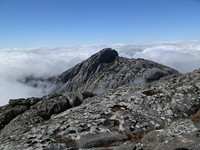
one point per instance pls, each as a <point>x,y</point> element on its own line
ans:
<point>16,64</point>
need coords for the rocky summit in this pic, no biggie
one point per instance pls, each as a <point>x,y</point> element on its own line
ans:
<point>106,70</point>
<point>159,115</point>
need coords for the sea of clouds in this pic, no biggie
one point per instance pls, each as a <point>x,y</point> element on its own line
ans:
<point>19,63</point>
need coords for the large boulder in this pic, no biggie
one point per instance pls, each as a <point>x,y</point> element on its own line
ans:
<point>34,110</point>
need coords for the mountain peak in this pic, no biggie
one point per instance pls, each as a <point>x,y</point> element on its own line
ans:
<point>129,117</point>
<point>107,55</point>
<point>106,70</point>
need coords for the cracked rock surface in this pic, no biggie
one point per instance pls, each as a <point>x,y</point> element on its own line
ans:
<point>158,115</point>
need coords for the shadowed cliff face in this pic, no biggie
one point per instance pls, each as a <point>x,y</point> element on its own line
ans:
<point>105,70</point>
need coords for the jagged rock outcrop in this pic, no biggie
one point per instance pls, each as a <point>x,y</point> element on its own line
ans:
<point>160,115</point>
<point>106,70</point>
<point>35,110</point>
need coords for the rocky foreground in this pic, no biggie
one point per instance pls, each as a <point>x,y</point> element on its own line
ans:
<point>160,115</point>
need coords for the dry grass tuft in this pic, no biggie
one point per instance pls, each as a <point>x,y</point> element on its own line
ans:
<point>196,117</point>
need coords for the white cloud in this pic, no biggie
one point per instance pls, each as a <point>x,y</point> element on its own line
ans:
<point>15,64</point>
<point>13,89</point>
<point>183,56</point>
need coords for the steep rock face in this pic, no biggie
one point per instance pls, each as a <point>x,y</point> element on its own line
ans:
<point>105,70</point>
<point>157,115</point>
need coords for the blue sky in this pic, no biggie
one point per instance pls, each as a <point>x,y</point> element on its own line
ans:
<point>51,23</point>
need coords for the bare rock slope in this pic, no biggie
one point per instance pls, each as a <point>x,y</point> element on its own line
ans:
<point>106,70</point>
<point>163,114</point>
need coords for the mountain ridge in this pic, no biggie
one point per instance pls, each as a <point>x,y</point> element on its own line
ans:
<point>160,114</point>
<point>106,70</point>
